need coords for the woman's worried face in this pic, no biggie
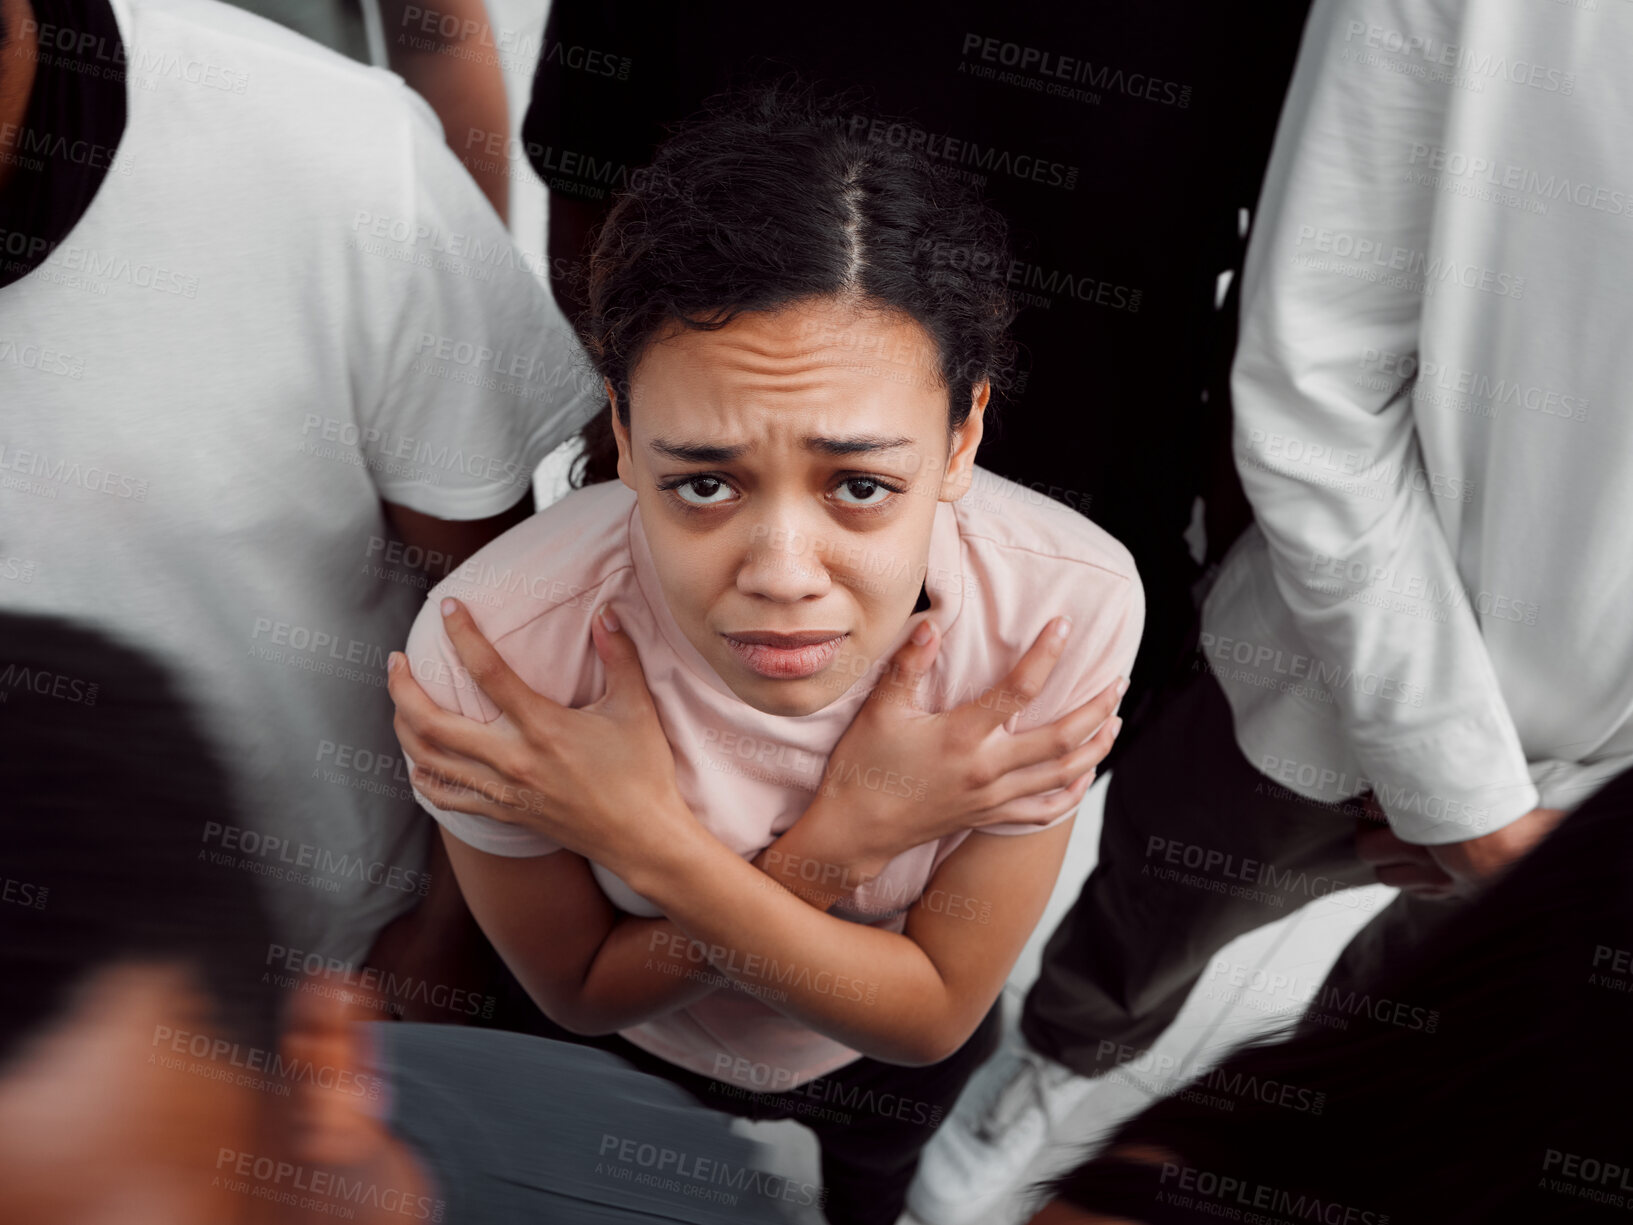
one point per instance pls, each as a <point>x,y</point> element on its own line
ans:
<point>787,469</point>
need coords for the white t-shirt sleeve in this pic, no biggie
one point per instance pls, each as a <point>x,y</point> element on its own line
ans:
<point>482,376</point>
<point>435,665</point>
<point>1429,717</point>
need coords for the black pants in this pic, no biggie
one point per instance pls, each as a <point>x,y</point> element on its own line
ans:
<point>1197,848</point>
<point>871,1118</point>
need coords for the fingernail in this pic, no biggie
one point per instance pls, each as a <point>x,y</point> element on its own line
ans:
<point>923,632</point>
<point>393,662</point>
<point>449,606</point>
<point>1116,726</point>
<point>609,619</point>
<point>1122,685</point>
<point>1063,627</point>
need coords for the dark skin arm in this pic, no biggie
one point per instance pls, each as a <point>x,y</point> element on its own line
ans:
<point>1449,869</point>
<point>449,542</point>
<point>590,968</point>
<point>459,75</point>
<point>1059,1212</point>
<point>18,55</point>
<point>439,940</point>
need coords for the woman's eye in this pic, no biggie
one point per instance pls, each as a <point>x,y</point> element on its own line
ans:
<point>863,490</point>
<point>707,490</point>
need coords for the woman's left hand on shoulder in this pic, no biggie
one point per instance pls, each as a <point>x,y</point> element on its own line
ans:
<point>903,775</point>
<point>600,779</point>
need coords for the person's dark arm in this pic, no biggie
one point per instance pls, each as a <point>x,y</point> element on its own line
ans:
<point>1059,1212</point>
<point>447,543</point>
<point>588,966</point>
<point>459,75</point>
<point>438,940</point>
<point>594,973</point>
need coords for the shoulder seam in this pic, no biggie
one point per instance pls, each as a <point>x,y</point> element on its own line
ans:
<point>1021,548</point>
<point>596,586</point>
<point>557,607</point>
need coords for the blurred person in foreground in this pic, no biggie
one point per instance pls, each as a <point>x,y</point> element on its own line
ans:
<point>269,365</point>
<point>1513,1109</point>
<point>156,1070</point>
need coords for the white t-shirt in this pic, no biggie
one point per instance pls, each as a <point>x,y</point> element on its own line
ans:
<point>287,302</point>
<point>1432,397</point>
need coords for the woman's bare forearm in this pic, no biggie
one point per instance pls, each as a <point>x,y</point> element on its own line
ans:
<point>461,77</point>
<point>588,967</point>
<point>875,991</point>
<point>643,970</point>
<point>646,968</point>
<point>649,967</point>
<point>820,859</point>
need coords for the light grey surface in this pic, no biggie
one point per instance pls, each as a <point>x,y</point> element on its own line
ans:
<point>337,24</point>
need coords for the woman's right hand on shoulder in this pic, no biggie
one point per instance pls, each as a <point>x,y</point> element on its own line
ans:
<point>905,776</point>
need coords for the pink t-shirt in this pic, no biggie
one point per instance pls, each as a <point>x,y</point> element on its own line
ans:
<point>1003,560</point>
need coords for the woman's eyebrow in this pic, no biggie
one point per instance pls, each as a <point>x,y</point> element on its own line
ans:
<point>713,453</point>
<point>696,452</point>
<point>855,445</point>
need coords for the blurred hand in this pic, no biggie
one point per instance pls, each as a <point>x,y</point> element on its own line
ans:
<point>1450,869</point>
<point>1481,859</point>
<point>437,944</point>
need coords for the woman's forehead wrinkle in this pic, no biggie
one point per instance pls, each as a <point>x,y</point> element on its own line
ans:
<point>793,359</point>
<point>831,371</point>
<point>747,384</point>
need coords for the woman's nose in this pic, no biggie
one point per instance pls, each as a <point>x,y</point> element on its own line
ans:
<point>783,563</point>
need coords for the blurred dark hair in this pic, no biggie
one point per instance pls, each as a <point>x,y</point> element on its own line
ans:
<point>768,200</point>
<point>108,784</point>
<point>1528,1067</point>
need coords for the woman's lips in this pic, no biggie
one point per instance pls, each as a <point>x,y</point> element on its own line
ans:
<point>785,657</point>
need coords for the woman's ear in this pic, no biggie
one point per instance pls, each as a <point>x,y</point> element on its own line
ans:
<point>626,466</point>
<point>966,438</point>
<point>337,1107</point>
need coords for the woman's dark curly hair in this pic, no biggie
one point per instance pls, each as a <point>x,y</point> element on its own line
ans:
<point>776,197</point>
